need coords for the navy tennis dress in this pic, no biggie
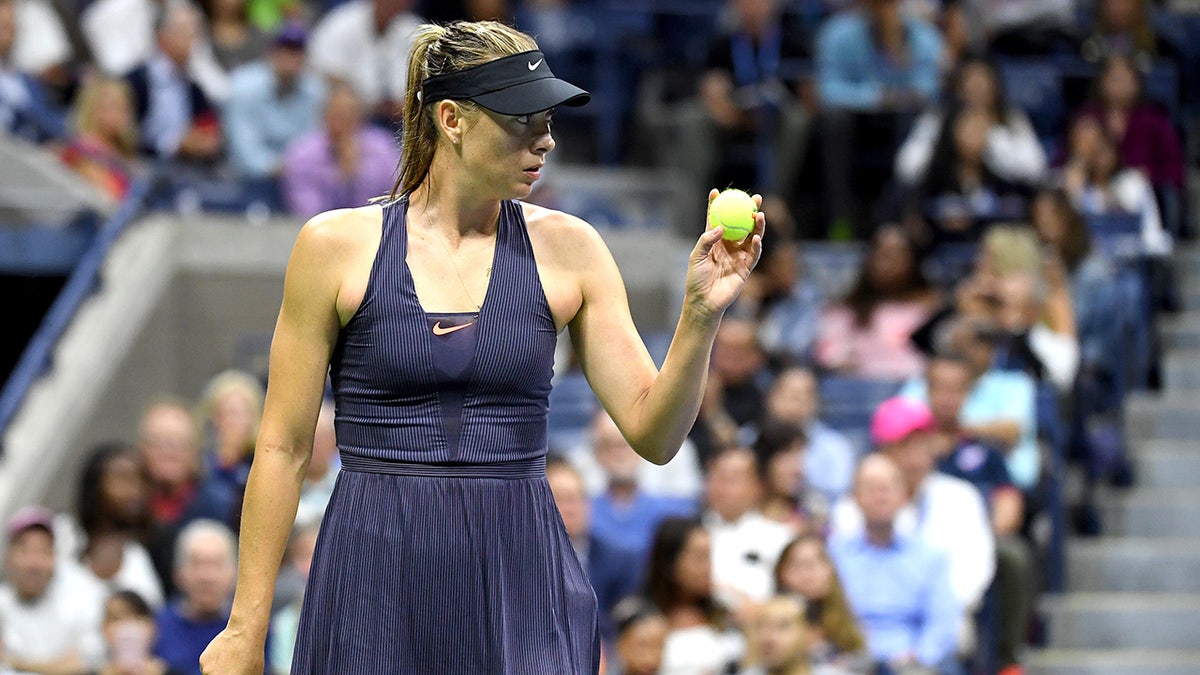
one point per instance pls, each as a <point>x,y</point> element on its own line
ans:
<point>442,550</point>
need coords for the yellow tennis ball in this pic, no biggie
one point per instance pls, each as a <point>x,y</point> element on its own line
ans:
<point>734,210</point>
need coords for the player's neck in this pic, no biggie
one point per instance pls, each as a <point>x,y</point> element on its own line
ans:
<point>443,203</point>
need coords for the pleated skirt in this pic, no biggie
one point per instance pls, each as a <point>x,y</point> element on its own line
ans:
<point>445,575</point>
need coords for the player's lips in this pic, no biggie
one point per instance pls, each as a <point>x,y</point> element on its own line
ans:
<point>534,171</point>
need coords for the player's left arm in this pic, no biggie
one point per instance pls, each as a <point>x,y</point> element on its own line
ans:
<point>655,409</point>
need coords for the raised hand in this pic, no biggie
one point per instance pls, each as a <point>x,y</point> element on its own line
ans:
<point>718,269</point>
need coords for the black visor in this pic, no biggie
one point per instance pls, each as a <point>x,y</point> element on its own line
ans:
<point>521,84</point>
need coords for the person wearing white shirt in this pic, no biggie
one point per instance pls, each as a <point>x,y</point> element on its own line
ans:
<point>41,41</point>
<point>678,479</point>
<point>1012,152</point>
<point>365,43</point>
<point>946,513</point>
<point>50,613</point>
<point>745,544</point>
<point>121,35</point>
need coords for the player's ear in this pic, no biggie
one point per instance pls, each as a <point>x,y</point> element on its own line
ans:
<point>451,120</point>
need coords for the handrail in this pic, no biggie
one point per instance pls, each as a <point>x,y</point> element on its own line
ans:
<point>36,357</point>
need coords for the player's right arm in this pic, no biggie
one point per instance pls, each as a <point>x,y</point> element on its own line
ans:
<point>305,334</point>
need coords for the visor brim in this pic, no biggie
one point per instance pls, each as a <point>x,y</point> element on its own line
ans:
<point>532,97</point>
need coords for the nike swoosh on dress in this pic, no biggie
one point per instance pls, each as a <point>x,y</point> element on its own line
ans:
<point>438,330</point>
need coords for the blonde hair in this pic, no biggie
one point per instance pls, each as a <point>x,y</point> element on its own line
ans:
<point>1013,248</point>
<point>438,50</point>
<point>231,382</point>
<point>87,107</point>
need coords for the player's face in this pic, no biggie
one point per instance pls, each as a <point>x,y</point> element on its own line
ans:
<point>506,153</point>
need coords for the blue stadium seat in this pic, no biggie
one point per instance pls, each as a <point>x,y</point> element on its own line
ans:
<point>1117,236</point>
<point>847,404</point>
<point>572,405</point>
<point>1036,86</point>
<point>832,267</point>
<point>950,263</point>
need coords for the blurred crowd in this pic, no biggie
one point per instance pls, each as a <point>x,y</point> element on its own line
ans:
<point>874,481</point>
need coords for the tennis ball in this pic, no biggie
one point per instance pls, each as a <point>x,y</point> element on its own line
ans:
<point>734,210</point>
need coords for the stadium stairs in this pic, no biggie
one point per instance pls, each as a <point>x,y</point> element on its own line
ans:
<point>1132,600</point>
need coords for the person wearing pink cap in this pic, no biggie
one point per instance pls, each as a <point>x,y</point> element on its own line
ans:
<point>49,611</point>
<point>946,513</point>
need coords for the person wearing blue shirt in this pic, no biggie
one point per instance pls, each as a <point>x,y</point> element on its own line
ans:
<point>873,67</point>
<point>897,587</point>
<point>624,513</point>
<point>1001,406</point>
<point>205,569</point>
<point>271,103</point>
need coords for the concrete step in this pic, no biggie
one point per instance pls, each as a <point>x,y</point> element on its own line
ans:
<point>1151,512</point>
<point>1134,565</point>
<point>1123,620</point>
<point>1173,415</point>
<point>1180,332</point>
<point>1166,464</point>
<point>1112,662</point>
<point>1181,370</point>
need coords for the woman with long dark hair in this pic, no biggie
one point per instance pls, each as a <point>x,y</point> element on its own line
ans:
<point>867,334</point>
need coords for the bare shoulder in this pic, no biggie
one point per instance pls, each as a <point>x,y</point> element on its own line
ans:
<point>342,231</point>
<point>570,239</point>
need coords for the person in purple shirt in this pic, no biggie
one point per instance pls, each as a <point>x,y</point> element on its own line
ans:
<point>347,163</point>
<point>1142,131</point>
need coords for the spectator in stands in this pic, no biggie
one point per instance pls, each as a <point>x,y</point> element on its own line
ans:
<point>345,164</point>
<point>129,633</point>
<point>1031,342</point>
<point>750,128</point>
<point>867,334</point>
<point>795,399</point>
<point>1011,153</point>
<point>1067,246</point>
<point>1027,27</point>
<point>960,190</point>
<point>874,65</point>
<point>961,456</point>
<point>49,611</point>
<point>113,512</point>
<point>624,511</point>
<point>835,638</point>
<point>1125,28</point>
<point>783,299</point>
<point>614,571</point>
<point>177,119</point>
<point>365,43</point>
<point>24,110</point>
<point>104,147</point>
<point>734,394</point>
<point>641,635</point>
<point>121,36</point>
<point>1099,184</point>
<point>40,45</point>
<point>680,584</point>
<point>1143,132</point>
<point>169,446</point>
<point>230,409</point>
<point>779,638</point>
<point>286,620</point>
<point>205,571</point>
<point>235,40</point>
<point>745,545</point>
<point>272,102</point>
<point>323,469</point>
<point>1002,406</point>
<point>946,514</point>
<point>898,586</point>
<point>780,450</point>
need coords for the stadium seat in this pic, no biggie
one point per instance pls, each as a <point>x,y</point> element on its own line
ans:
<point>847,404</point>
<point>1036,86</point>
